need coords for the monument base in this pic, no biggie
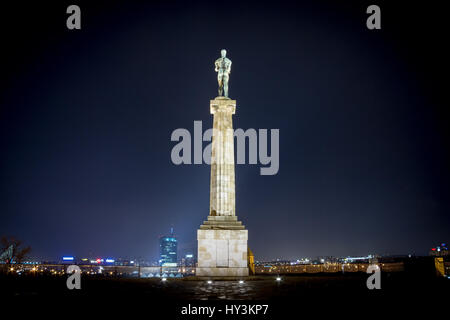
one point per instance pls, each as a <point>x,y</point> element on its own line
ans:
<point>222,248</point>
<point>221,272</point>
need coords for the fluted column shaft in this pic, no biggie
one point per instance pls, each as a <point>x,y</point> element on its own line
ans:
<point>222,192</point>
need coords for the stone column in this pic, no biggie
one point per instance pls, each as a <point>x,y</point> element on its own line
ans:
<point>222,239</point>
<point>222,192</point>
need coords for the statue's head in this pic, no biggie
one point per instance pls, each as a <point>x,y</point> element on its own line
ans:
<point>223,52</point>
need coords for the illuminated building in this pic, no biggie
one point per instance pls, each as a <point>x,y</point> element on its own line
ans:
<point>68,259</point>
<point>189,260</point>
<point>168,250</point>
<point>251,261</point>
<point>439,251</point>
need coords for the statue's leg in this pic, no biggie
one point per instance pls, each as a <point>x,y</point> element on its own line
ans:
<point>225,85</point>
<point>219,80</point>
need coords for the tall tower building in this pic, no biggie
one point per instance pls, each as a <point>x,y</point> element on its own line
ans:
<point>168,247</point>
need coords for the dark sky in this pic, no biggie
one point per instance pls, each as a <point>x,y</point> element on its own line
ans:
<point>86,118</point>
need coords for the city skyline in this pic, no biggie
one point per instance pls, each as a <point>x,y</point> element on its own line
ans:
<point>182,252</point>
<point>87,115</point>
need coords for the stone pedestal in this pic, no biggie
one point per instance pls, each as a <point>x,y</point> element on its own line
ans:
<point>222,239</point>
<point>222,248</point>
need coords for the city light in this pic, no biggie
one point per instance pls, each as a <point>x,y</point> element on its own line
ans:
<point>164,279</point>
<point>110,260</point>
<point>278,279</point>
<point>169,264</point>
<point>241,281</point>
<point>67,258</point>
<point>209,281</point>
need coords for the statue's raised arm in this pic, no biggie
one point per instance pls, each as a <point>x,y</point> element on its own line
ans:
<point>223,69</point>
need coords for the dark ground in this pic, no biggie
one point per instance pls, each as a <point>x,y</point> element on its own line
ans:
<point>324,293</point>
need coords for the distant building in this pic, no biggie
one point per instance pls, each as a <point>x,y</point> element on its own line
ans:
<point>168,250</point>
<point>439,251</point>
<point>125,262</point>
<point>68,260</point>
<point>189,260</point>
<point>250,261</point>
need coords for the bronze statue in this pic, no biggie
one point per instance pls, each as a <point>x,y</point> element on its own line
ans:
<point>223,69</point>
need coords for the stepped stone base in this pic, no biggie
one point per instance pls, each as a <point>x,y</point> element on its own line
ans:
<point>222,223</point>
<point>222,248</point>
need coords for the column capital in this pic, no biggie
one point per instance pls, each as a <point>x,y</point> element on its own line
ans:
<point>222,104</point>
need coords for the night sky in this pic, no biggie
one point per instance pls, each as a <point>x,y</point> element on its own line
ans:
<point>86,118</point>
